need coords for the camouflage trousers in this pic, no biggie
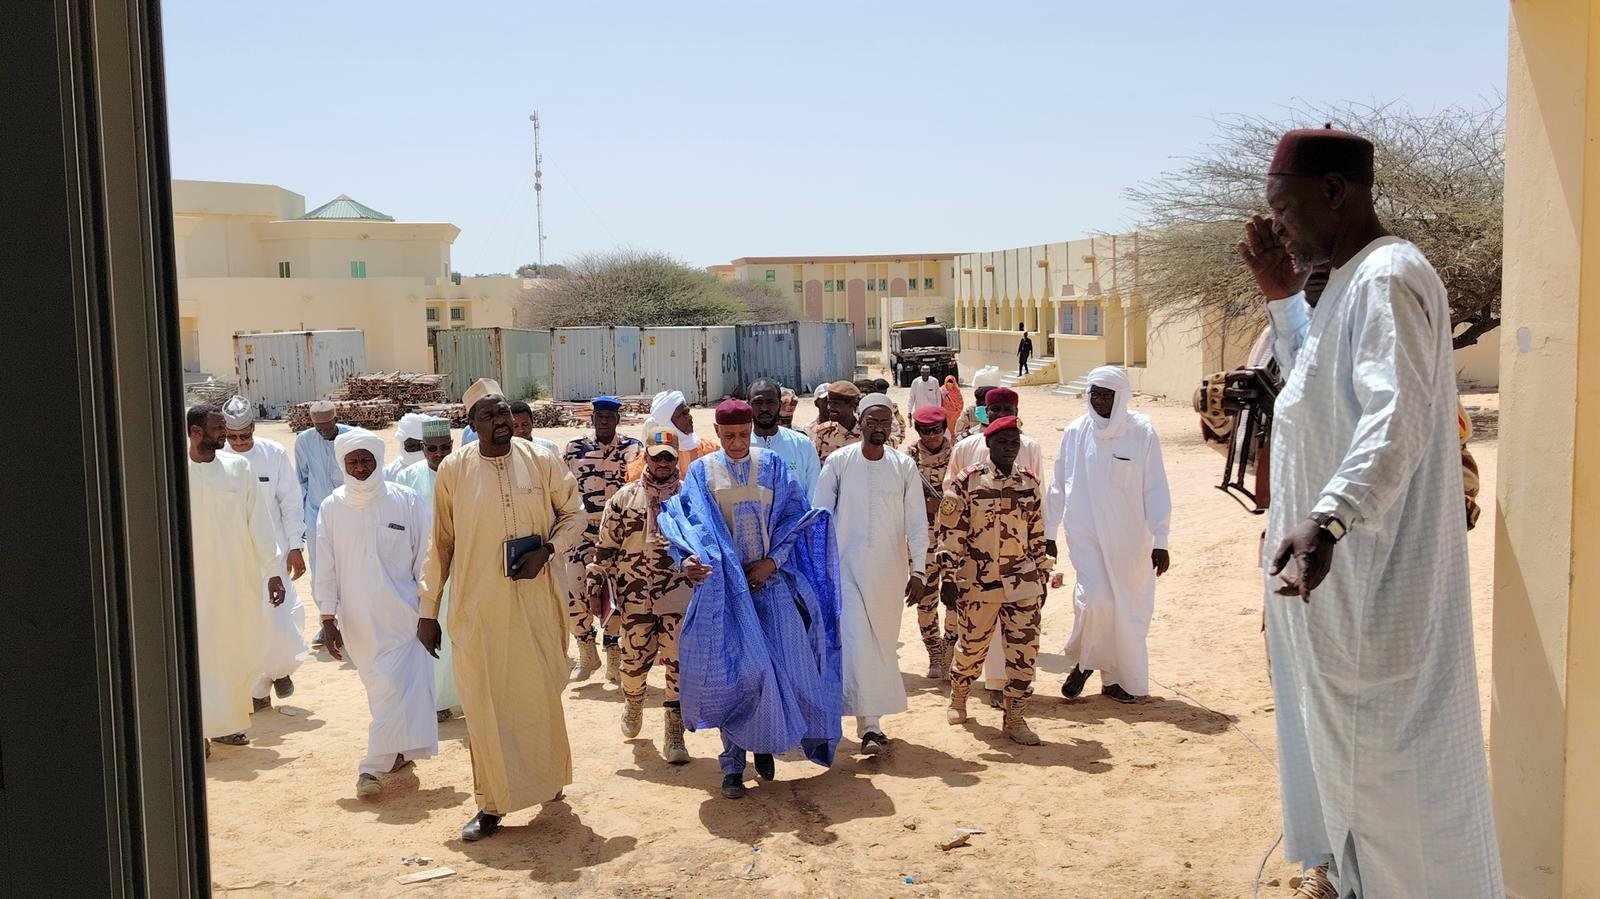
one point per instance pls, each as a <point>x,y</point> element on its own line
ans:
<point>928,617</point>
<point>583,609</point>
<point>646,639</point>
<point>1018,623</point>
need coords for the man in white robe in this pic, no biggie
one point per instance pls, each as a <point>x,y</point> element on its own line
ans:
<point>420,476</point>
<point>924,391</point>
<point>1369,617</point>
<point>1109,493</point>
<point>370,548</point>
<point>283,644</point>
<point>234,551</point>
<point>880,516</point>
<point>409,432</point>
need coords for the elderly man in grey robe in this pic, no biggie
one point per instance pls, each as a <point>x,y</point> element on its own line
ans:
<point>318,471</point>
<point>1369,615</point>
<point>874,493</point>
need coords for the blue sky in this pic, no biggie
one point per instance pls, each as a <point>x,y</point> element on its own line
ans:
<point>717,130</point>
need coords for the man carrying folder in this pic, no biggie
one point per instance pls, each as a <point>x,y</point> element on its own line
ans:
<point>507,615</point>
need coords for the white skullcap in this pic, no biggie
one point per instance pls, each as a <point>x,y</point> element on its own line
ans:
<point>821,393</point>
<point>873,400</point>
<point>238,413</point>
<point>321,407</point>
<point>480,388</point>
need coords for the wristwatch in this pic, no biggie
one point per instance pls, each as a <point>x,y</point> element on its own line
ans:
<point>1330,523</point>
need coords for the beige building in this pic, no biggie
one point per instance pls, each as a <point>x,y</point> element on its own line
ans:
<point>1074,300</point>
<point>251,258</point>
<point>847,288</point>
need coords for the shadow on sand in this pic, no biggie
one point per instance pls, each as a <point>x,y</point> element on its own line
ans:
<point>808,807</point>
<point>403,801</point>
<point>555,847</point>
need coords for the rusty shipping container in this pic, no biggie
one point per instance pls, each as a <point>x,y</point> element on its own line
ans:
<point>703,362</point>
<point>277,369</point>
<point>827,352</point>
<point>518,358</point>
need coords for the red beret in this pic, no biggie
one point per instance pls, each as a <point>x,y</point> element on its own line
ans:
<point>735,412</point>
<point>929,415</point>
<point>1323,151</point>
<point>1009,423</point>
<point>1001,395</point>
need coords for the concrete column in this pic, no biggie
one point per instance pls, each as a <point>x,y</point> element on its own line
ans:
<point>1545,716</point>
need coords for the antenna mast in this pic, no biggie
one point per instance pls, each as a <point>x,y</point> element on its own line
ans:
<point>538,185</point>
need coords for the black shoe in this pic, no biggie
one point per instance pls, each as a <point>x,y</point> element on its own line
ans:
<point>257,705</point>
<point>445,715</point>
<point>765,767</point>
<point>733,786</point>
<point>238,739</point>
<point>482,825</point>
<point>284,687</point>
<point>874,743</point>
<point>1073,687</point>
<point>321,639</point>
<point>1116,692</point>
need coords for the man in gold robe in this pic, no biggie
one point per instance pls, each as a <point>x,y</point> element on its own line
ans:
<point>507,614</point>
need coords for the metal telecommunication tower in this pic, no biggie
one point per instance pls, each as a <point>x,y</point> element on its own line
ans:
<point>538,185</point>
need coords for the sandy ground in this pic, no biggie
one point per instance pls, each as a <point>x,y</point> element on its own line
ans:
<point>1174,797</point>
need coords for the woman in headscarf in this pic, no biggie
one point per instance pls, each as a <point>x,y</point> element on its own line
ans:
<point>670,411</point>
<point>950,400</point>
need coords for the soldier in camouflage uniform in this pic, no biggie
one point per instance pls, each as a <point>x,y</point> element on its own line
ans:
<point>992,546</point>
<point>652,589</point>
<point>841,429</point>
<point>600,464</point>
<point>932,462</point>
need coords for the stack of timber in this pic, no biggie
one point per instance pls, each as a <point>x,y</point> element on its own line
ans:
<point>370,414</point>
<point>407,389</point>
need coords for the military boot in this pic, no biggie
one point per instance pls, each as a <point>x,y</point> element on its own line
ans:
<point>672,748</point>
<point>633,717</point>
<point>1015,726</point>
<point>957,713</point>
<point>613,664</point>
<point>938,666</point>
<point>588,660</point>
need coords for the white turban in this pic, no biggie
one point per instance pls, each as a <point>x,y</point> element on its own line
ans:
<point>410,428</point>
<point>661,408</point>
<point>1112,378</point>
<point>821,393</point>
<point>872,400</point>
<point>238,414</point>
<point>360,493</point>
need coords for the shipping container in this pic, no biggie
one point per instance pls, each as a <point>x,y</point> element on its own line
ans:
<point>702,362</point>
<point>517,358</point>
<point>768,351</point>
<point>583,362</point>
<point>630,369</point>
<point>827,352</point>
<point>281,368</point>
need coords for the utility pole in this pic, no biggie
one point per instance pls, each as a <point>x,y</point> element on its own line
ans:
<point>538,185</point>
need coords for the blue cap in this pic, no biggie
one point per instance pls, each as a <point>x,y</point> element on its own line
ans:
<point>605,404</point>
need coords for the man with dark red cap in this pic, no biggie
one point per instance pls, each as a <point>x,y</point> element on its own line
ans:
<point>992,546</point>
<point>1369,616</point>
<point>759,648</point>
<point>931,452</point>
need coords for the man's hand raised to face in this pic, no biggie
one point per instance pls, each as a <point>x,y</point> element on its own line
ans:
<point>1269,260</point>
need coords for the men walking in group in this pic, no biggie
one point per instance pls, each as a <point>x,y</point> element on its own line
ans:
<point>874,493</point>
<point>759,647</point>
<point>1109,494</point>
<point>370,548</point>
<point>318,471</point>
<point>924,391</point>
<point>283,646</point>
<point>235,550</point>
<point>790,446</point>
<point>1024,351</point>
<point>409,432</point>
<point>992,546</point>
<point>840,428</point>
<point>420,476</point>
<point>931,452</point>
<point>599,462</point>
<point>633,557</point>
<point>670,410</point>
<point>1369,615</point>
<point>502,511</point>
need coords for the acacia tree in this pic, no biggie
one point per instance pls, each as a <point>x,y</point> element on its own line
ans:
<point>1440,181</point>
<point>644,288</point>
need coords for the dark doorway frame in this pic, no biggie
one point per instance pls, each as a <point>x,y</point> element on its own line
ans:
<point>102,780</point>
